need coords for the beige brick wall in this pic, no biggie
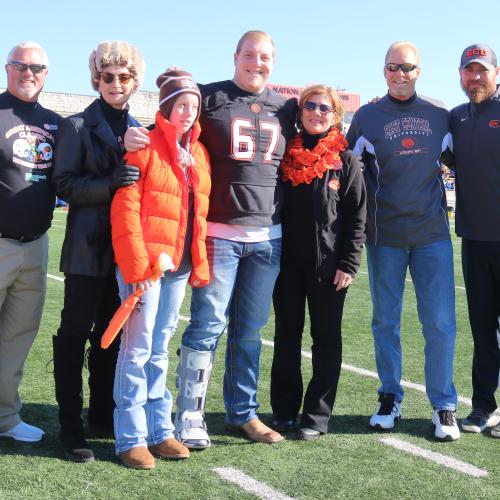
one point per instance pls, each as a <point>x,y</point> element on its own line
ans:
<point>143,105</point>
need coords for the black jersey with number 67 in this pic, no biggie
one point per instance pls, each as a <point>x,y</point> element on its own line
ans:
<point>246,135</point>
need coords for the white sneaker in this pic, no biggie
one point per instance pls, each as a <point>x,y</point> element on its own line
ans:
<point>388,412</point>
<point>24,432</point>
<point>446,427</point>
<point>495,432</point>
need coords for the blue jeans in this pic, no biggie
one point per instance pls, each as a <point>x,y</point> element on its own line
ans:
<point>143,402</point>
<point>431,269</point>
<point>240,291</point>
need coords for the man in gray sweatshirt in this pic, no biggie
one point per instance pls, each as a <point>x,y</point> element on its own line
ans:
<point>401,139</point>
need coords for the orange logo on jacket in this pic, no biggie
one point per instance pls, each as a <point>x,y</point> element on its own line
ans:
<point>334,184</point>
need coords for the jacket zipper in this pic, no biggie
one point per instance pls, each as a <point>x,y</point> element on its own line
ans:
<point>316,230</point>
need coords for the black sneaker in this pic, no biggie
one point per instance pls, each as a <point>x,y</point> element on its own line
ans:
<point>283,425</point>
<point>479,420</point>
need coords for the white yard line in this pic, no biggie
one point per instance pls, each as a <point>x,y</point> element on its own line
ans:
<point>346,367</point>
<point>372,374</point>
<point>249,484</point>
<point>437,458</point>
<point>57,278</point>
<point>55,225</point>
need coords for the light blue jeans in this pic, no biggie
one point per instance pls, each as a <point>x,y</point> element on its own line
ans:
<point>431,269</point>
<point>240,291</point>
<point>143,402</point>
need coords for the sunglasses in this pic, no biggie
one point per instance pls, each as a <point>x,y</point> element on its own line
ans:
<point>22,67</point>
<point>405,67</point>
<point>312,106</point>
<point>122,77</point>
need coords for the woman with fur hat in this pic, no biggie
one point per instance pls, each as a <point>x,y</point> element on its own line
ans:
<point>164,212</point>
<point>88,170</point>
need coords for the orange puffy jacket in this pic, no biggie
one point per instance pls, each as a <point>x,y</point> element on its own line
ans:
<point>150,216</point>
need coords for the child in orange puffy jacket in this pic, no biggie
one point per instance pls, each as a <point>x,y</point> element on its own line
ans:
<point>165,211</point>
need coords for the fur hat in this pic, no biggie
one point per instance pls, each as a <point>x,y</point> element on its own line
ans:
<point>119,53</point>
<point>173,83</point>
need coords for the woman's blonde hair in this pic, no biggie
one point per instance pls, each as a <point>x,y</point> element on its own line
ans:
<point>332,95</point>
<point>116,53</point>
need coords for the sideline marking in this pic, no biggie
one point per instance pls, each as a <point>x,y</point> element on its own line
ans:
<point>369,373</point>
<point>345,366</point>
<point>438,458</point>
<point>57,278</point>
<point>55,225</point>
<point>249,484</point>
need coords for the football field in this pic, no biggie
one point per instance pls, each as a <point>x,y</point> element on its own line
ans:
<point>351,461</point>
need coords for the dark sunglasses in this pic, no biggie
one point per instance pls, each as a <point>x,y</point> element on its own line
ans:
<point>122,77</point>
<point>312,106</point>
<point>405,67</point>
<point>22,67</point>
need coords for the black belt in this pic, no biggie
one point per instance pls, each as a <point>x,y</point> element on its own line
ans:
<point>22,239</point>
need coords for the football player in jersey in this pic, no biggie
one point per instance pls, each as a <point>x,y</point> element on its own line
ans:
<point>245,127</point>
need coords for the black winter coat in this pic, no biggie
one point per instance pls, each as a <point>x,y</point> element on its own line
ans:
<point>324,222</point>
<point>87,153</point>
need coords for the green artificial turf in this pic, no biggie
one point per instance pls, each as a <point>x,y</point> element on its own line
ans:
<point>349,462</point>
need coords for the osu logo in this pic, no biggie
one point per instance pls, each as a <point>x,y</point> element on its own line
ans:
<point>494,124</point>
<point>407,142</point>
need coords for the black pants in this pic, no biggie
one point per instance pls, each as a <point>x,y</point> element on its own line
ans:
<point>481,268</point>
<point>294,285</point>
<point>89,304</point>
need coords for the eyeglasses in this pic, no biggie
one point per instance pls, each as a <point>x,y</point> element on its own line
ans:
<point>122,77</point>
<point>312,106</point>
<point>405,67</point>
<point>22,67</point>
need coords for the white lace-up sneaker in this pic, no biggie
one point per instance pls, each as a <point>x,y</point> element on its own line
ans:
<point>388,412</point>
<point>24,432</point>
<point>445,423</point>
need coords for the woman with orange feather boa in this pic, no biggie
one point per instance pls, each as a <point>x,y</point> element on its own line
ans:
<point>323,233</point>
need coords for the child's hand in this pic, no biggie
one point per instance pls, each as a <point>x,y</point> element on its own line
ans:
<point>144,286</point>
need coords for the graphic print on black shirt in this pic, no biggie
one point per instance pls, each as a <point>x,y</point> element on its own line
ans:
<point>27,140</point>
<point>32,147</point>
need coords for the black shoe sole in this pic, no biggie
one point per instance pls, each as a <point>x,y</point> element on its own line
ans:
<point>77,458</point>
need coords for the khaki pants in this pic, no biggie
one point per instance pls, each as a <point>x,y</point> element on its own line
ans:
<point>23,277</point>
